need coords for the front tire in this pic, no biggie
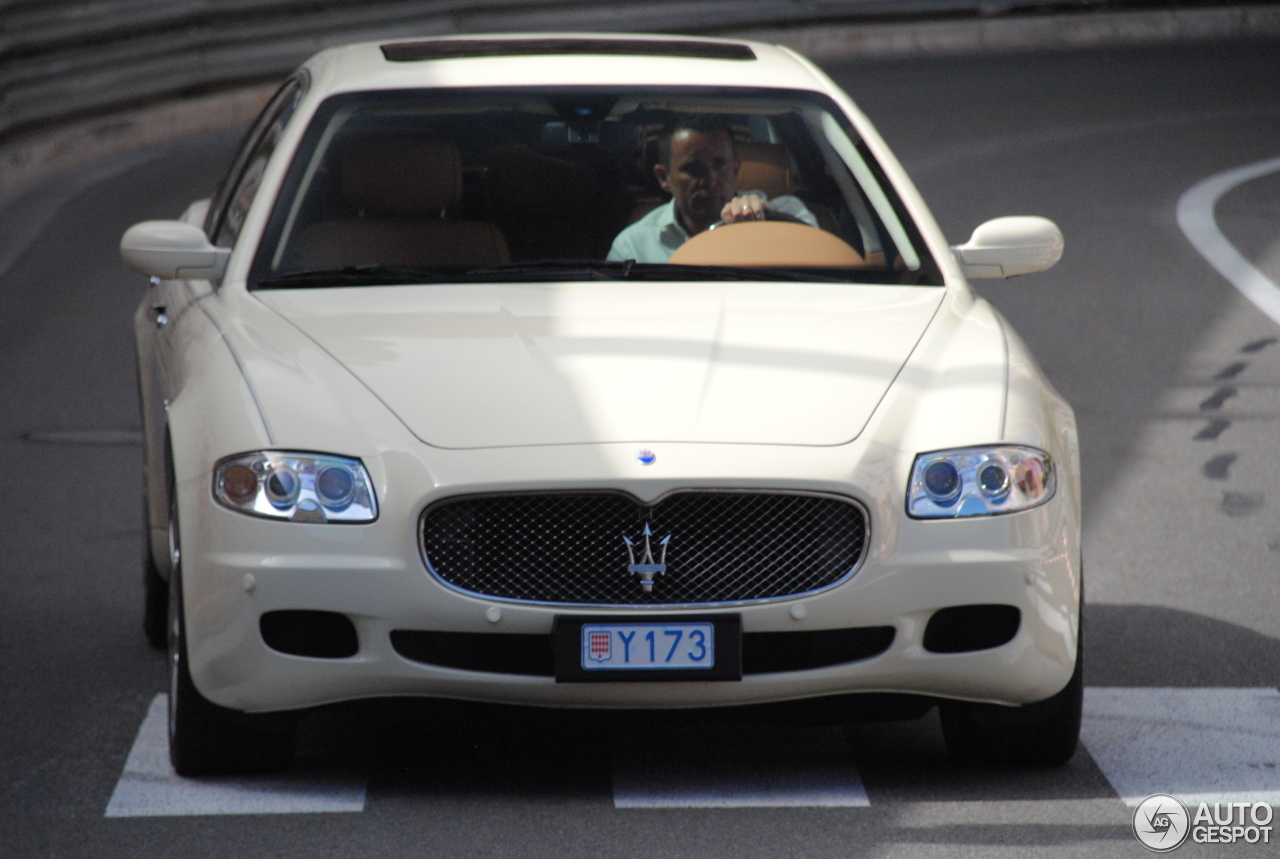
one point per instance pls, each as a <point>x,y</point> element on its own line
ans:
<point>155,609</point>
<point>204,738</point>
<point>1044,734</point>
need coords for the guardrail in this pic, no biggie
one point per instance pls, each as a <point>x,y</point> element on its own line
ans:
<point>66,59</point>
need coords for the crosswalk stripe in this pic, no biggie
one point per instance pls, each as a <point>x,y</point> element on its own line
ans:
<point>149,787</point>
<point>738,767</point>
<point>1200,745</point>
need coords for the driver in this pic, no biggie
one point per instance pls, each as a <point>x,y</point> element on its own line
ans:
<point>698,167</point>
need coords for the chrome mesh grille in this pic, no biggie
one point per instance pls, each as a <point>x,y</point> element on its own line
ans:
<point>568,547</point>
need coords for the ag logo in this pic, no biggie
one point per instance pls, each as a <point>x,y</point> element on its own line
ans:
<point>1161,822</point>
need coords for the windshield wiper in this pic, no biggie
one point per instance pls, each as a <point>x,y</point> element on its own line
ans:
<point>356,275</point>
<point>725,272</point>
<point>550,269</point>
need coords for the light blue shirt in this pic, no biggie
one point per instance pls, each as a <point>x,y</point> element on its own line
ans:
<point>655,237</point>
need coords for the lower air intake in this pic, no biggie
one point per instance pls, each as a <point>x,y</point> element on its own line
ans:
<point>318,634</point>
<point>762,652</point>
<point>965,628</point>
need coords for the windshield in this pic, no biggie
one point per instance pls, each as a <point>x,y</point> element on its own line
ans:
<point>585,183</point>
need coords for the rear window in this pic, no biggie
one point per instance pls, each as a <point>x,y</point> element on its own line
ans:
<point>585,183</point>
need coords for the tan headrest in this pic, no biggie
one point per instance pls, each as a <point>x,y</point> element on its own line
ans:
<point>401,176</point>
<point>765,167</point>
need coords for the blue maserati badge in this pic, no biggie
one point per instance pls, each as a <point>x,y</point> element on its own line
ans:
<point>647,568</point>
<point>646,457</point>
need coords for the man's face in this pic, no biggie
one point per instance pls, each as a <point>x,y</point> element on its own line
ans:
<point>702,176</point>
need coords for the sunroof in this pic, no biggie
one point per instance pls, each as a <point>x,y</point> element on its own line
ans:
<point>455,49</point>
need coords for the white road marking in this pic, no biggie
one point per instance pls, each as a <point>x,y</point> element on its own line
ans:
<point>1201,745</point>
<point>1196,218</point>
<point>738,766</point>
<point>148,787</point>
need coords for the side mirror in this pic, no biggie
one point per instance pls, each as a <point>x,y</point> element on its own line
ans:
<point>172,249</point>
<point>1004,247</point>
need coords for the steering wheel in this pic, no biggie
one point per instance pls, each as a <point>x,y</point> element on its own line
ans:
<point>769,215</point>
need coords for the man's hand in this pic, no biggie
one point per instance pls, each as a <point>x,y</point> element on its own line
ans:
<point>748,207</point>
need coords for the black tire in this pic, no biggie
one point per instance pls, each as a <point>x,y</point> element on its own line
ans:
<point>204,738</point>
<point>1043,734</point>
<point>155,607</point>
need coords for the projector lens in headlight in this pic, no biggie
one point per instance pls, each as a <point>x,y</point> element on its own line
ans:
<point>302,487</point>
<point>979,481</point>
<point>282,486</point>
<point>993,481</point>
<point>335,484</point>
<point>942,482</point>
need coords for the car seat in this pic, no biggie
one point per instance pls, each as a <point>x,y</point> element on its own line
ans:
<point>767,167</point>
<point>397,192</point>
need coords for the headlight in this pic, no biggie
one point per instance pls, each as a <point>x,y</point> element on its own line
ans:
<point>979,481</point>
<point>296,486</point>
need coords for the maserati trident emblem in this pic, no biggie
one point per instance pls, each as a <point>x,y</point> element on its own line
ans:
<point>647,568</point>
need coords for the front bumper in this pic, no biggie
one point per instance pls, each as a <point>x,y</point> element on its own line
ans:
<point>236,568</point>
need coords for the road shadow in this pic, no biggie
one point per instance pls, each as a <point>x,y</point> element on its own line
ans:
<point>441,750</point>
<point>1143,645</point>
<point>428,748</point>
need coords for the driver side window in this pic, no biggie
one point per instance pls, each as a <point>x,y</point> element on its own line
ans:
<point>236,191</point>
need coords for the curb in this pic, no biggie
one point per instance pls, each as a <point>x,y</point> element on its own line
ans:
<point>27,162</point>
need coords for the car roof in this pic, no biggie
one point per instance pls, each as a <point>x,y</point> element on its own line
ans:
<point>558,59</point>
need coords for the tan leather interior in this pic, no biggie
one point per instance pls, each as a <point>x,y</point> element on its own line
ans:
<point>399,191</point>
<point>401,241</point>
<point>765,167</point>
<point>767,243</point>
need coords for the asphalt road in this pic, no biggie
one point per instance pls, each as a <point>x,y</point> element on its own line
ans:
<point>1172,373</point>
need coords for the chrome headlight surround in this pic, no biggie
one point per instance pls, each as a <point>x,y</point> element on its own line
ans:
<point>296,487</point>
<point>979,481</point>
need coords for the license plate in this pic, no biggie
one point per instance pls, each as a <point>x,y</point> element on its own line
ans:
<point>648,646</point>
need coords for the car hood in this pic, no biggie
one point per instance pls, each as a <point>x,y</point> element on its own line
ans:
<point>478,366</point>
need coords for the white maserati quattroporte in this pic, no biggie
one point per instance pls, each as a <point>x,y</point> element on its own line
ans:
<point>595,372</point>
